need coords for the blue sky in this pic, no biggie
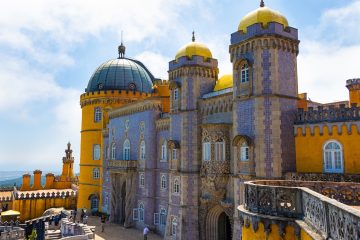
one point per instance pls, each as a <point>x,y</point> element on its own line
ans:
<point>49,49</point>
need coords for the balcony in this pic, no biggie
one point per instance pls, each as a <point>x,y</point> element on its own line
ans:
<point>122,165</point>
<point>297,204</point>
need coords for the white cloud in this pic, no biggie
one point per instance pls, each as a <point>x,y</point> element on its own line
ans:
<point>156,63</point>
<point>329,54</point>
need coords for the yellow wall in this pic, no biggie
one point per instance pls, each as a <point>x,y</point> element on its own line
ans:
<point>34,208</point>
<point>354,97</point>
<point>260,234</point>
<point>309,149</point>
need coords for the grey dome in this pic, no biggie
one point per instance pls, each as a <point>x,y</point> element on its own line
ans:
<point>121,74</point>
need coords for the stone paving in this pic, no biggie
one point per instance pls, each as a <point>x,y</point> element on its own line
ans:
<point>117,232</point>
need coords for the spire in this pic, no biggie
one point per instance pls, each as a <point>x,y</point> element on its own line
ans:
<point>193,36</point>
<point>68,154</point>
<point>121,48</point>
<point>262,4</point>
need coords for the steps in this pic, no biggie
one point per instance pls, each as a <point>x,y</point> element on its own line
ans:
<point>52,234</point>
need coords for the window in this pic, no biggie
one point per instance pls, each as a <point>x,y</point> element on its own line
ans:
<point>163,217</point>
<point>176,94</point>
<point>163,182</point>
<point>244,152</point>
<point>96,173</point>
<point>94,203</point>
<point>176,186</point>
<point>142,150</point>
<point>135,214</point>
<point>164,151</point>
<point>244,78</point>
<point>206,151</point>
<point>174,154</point>
<point>333,157</point>
<point>113,151</point>
<point>97,114</point>
<point>126,150</point>
<point>142,180</point>
<point>96,152</point>
<point>173,226</point>
<point>141,212</point>
<point>220,151</point>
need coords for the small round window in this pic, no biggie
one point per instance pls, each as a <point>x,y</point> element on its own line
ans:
<point>132,86</point>
<point>100,86</point>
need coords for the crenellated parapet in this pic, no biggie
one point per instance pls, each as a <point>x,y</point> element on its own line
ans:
<point>353,84</point>
<point>162,124</point>
<point>217,104</point>
<point>52,193</point>
<point>329,114</point>
<point>193,71</point>
<point>111,97</point>
<point>327,128</point>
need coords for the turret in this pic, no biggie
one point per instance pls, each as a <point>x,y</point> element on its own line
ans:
<point>37,180</point>
<point>68,164</point>
<point>25,182</point>
<point>354,91</point>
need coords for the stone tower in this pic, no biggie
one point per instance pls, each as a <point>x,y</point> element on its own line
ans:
<point>192,74</point>
<point>264,56</point>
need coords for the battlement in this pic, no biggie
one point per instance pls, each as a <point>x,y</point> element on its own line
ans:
<point>194,61</point>
<point>352,81</point>
<point>113,93</point>
<point>329,114</point>
<point>161,82</point>
<point>257,30</point>
<point>52,193</point>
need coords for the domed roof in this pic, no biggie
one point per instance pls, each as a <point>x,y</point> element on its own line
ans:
<point>194,49</point>
<point>263,15</point>
<point>226,81</point>
<point>121,74</point>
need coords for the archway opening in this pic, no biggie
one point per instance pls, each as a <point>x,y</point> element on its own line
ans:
<point>224,227</point>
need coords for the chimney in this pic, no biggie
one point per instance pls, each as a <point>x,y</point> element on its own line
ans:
<point>37,180</point>
<point>25,182</point>
<point>49,181</point>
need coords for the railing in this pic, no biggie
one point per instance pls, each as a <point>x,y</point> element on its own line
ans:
<point>330,114</point>
<point>122,164</point>
<point>324,177</point>
<point>328,217</point>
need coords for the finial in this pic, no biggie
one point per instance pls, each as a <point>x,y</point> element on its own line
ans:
<point>121,48</point>
<point>262,4</point>
<point>193,36</point>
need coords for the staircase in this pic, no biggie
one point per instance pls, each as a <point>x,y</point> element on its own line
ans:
<point>52,234</point>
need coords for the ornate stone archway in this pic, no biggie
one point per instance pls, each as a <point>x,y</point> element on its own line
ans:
<point>212,222</point>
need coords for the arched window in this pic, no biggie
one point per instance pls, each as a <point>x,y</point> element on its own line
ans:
<point>142,180</point>
<point>333,157</point>
<point>220,151</point>
<point>141,212</point>
<point>142,150</point>
<point>206,151</point>
<point>162,216</point>
<point>113,151</point>
<point>176,94</point>
<point>96,173</point>
<point>96,152</point>
<point>244,152</point>
<point>244,74</point>
<point>126,150</point>
<point>176,186</point>
<point>164,151</point>
<point>163,182</point>
<point>173,226</point>
<point>97,114</point>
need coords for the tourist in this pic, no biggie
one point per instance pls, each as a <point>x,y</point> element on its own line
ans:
<point>82,215</point>
<point>146,232</point>
<point>103,220</point>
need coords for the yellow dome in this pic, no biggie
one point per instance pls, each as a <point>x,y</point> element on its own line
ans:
<point>263,15</point>
<point>194,49</point>
<point>224,82</point>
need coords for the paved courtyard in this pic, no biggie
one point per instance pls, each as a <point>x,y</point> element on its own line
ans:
<point>113,231</point>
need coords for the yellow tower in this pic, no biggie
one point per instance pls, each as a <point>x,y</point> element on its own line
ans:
<point>114,83</point>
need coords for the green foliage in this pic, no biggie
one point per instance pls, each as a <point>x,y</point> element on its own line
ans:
<point>33,235</point>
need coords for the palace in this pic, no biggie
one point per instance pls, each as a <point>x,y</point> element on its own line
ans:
<point>189,156</point>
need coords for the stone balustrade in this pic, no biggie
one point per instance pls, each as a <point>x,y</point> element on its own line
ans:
<point>329,114</point>
<point>11,232</point>
<point>328,217</point>
<point>75,231</point>
<point>122,164</point>
<point>324,177</point>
